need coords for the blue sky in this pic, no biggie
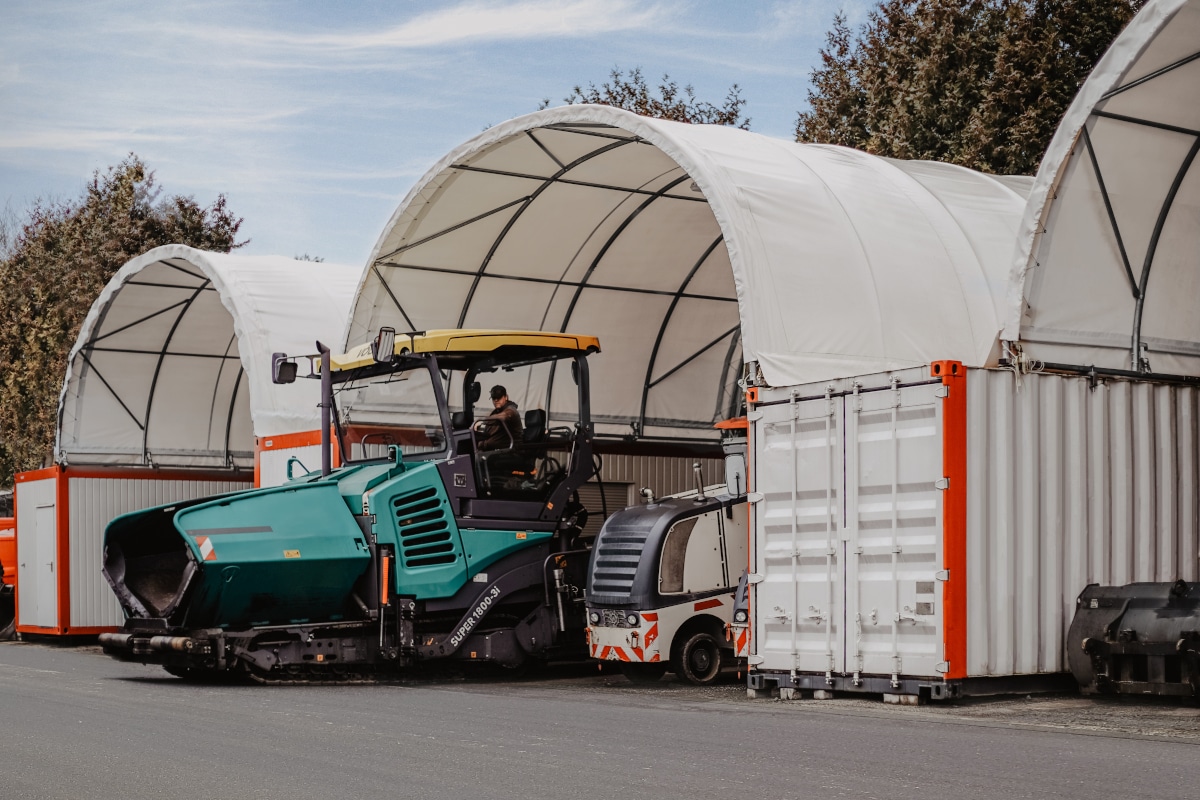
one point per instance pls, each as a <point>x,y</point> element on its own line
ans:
<point>314,119</point>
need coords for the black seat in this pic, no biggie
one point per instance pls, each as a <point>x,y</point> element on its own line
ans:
<point>535,427</point>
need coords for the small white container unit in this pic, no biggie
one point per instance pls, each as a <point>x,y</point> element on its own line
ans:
<point>168,397</point>
<point>927,531</point>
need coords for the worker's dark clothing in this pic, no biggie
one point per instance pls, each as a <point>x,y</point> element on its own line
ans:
<point>501,428</point>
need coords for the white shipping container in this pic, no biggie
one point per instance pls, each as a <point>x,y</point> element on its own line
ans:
<point>924,529</point>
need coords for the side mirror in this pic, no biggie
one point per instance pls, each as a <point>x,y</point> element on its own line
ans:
<point>283,370</point>
<point>474,392</point>
<point>575,372</point>
<point>384,346</point>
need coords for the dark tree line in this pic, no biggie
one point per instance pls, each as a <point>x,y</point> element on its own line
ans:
<point>981,83</point>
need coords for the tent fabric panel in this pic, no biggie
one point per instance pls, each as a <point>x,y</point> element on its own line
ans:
<point>520,154</point>
<point>186,389</point>
<point>978,210</point>
<point>561,232</point>
<point>633,165</point>
<point>145,314</point>
<point>1161,45</point>
<point>428,298</point>
<point>432,242</point>
<point>506,304</point>
<point>570,144</point>
<point>714,276</point>
<point>1080,232</point>
<point>642,257</point>
<point>1083,246</point>
<point>118,385</point>
<point>628,323</point>
<point>1175,274</point>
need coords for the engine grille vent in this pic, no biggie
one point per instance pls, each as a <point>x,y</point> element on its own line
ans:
<point>424,523</point>
<point>617,554</point>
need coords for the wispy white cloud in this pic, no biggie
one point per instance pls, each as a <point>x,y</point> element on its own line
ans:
<point>465,23</point>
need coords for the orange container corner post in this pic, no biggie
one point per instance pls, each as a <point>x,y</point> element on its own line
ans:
<point>953,376</point>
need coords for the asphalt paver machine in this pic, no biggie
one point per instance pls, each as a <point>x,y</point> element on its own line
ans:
<point>433,549</point>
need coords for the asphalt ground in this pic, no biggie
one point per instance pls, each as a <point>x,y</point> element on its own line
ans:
<point>78,724</point>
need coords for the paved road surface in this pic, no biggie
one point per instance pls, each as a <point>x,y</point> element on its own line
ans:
<point>78,725</point>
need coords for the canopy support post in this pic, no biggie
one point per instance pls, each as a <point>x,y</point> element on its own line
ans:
<point>326,409</point>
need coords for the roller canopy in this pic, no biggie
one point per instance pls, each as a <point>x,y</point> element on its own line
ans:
<point>172,366</point>
<point>1106,262</point>
<point>689,249</point>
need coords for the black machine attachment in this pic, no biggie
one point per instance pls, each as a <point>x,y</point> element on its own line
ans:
<point>1141,638</point>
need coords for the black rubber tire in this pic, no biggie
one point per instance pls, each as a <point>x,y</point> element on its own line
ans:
<point>643,673</point>
<point>8,618</point>
<point>698,660</point>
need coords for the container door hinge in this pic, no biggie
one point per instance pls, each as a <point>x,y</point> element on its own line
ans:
<point>942,667</point>
<point>942,484</point>
<point>755,577</point>
<point>942,391</point>
<point>754,416</point>
<point>755,659</point>
<point>942,575</point>
<point>754,497</point>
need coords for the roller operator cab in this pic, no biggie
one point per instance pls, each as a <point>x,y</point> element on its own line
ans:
<point>432,540</point>
<point>663,578</point>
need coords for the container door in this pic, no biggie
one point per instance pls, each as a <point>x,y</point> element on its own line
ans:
<point>894,536</point>
<point>45,589</point>
<point>37,551</point>
<point>800,536</point>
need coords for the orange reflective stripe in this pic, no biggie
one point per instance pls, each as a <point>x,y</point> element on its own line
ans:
<point>383,588</point>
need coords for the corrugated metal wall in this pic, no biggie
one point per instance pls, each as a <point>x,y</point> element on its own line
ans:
<point>94,502</point>
<point>1069,485</point>
<point>664,474</point>
<point>624,477</point>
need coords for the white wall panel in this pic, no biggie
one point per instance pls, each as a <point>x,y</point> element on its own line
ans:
<point>94,502</point>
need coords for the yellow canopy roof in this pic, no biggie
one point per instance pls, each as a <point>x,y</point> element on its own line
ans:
<point>468,341</point>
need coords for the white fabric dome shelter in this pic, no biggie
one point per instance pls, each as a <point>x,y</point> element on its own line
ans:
<point>689,249</point>
<point>172,367</point>
<point>1106,262</point>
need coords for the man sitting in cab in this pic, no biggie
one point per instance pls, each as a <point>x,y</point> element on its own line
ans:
<point>500,430</point>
